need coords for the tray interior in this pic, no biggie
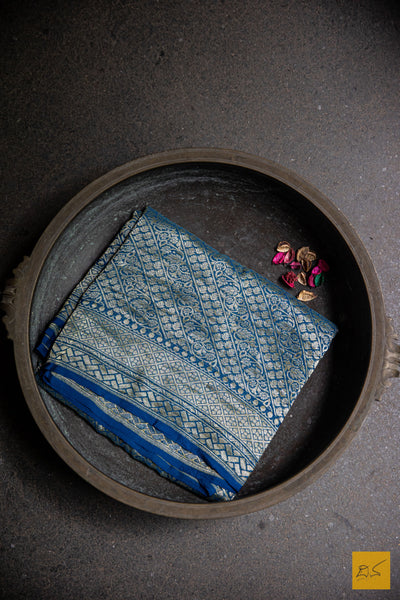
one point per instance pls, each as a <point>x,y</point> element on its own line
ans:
<point>243,214</point>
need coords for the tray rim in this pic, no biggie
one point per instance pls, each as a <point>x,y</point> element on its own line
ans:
<point>106,484</point>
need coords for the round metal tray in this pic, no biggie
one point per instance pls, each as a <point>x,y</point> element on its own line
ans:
<point>242,205</point>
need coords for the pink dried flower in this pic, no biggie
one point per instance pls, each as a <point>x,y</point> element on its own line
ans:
<point>289,256</point>
<point>311,281</point>
<point>290,278</point>
<point>316,270</point>
<point>323,265</point>
<point>278,258</point>
<point>295,265</point>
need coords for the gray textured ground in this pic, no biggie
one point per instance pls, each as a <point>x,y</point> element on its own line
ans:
<point>311,85</point>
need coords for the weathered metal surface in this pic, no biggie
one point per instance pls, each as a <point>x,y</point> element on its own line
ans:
<point>242,205</point>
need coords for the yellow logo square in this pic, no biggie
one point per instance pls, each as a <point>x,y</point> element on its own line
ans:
<point>371,571</point>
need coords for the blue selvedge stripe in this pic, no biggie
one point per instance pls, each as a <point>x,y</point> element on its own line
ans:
<point>207,489</point>
<point>49,336</point>
<point>48,374</point>
<point>129,406</point>
<point>196,480</point>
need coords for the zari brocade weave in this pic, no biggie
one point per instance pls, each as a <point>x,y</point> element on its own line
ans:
<point>180,355</point>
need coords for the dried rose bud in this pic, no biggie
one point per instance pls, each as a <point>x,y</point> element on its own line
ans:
<point>295,265</point>
<point>278,258</point>
<point>283,247</point>
<point>316,270</point>
<point>319,279</point>
<point>323,265</point>
<point>289,256</point>
<point>302,278</point>
<point>311,281</point>
<point>306,296</point>
<point>290,278</point>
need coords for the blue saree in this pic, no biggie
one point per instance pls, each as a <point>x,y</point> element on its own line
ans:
<point>180,355</point>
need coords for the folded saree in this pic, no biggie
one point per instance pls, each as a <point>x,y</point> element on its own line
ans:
<point>180,355</point>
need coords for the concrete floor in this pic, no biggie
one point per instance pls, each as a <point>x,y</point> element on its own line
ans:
<point>311,85</point>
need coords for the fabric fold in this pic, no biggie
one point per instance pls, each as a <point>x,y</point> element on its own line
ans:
<point>180,355</point>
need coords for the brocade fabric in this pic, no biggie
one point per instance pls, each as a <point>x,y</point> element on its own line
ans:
<point>180,355</point>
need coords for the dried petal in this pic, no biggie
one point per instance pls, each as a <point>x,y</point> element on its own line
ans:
<point>278,258</point>
<point>283,247</point>
<point>319,279</point>
<point>302,278</point>
<point>311,281</point>
<point>305,254</point>
<point>306,296</point>
<point>289,278</point>
<point>316,270</point>
<point>306,264</point>
<point>311,255</point>
<point>323,265</point>
<point>295,265</point>
<point>302,253</point>
<point>289,256</point>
